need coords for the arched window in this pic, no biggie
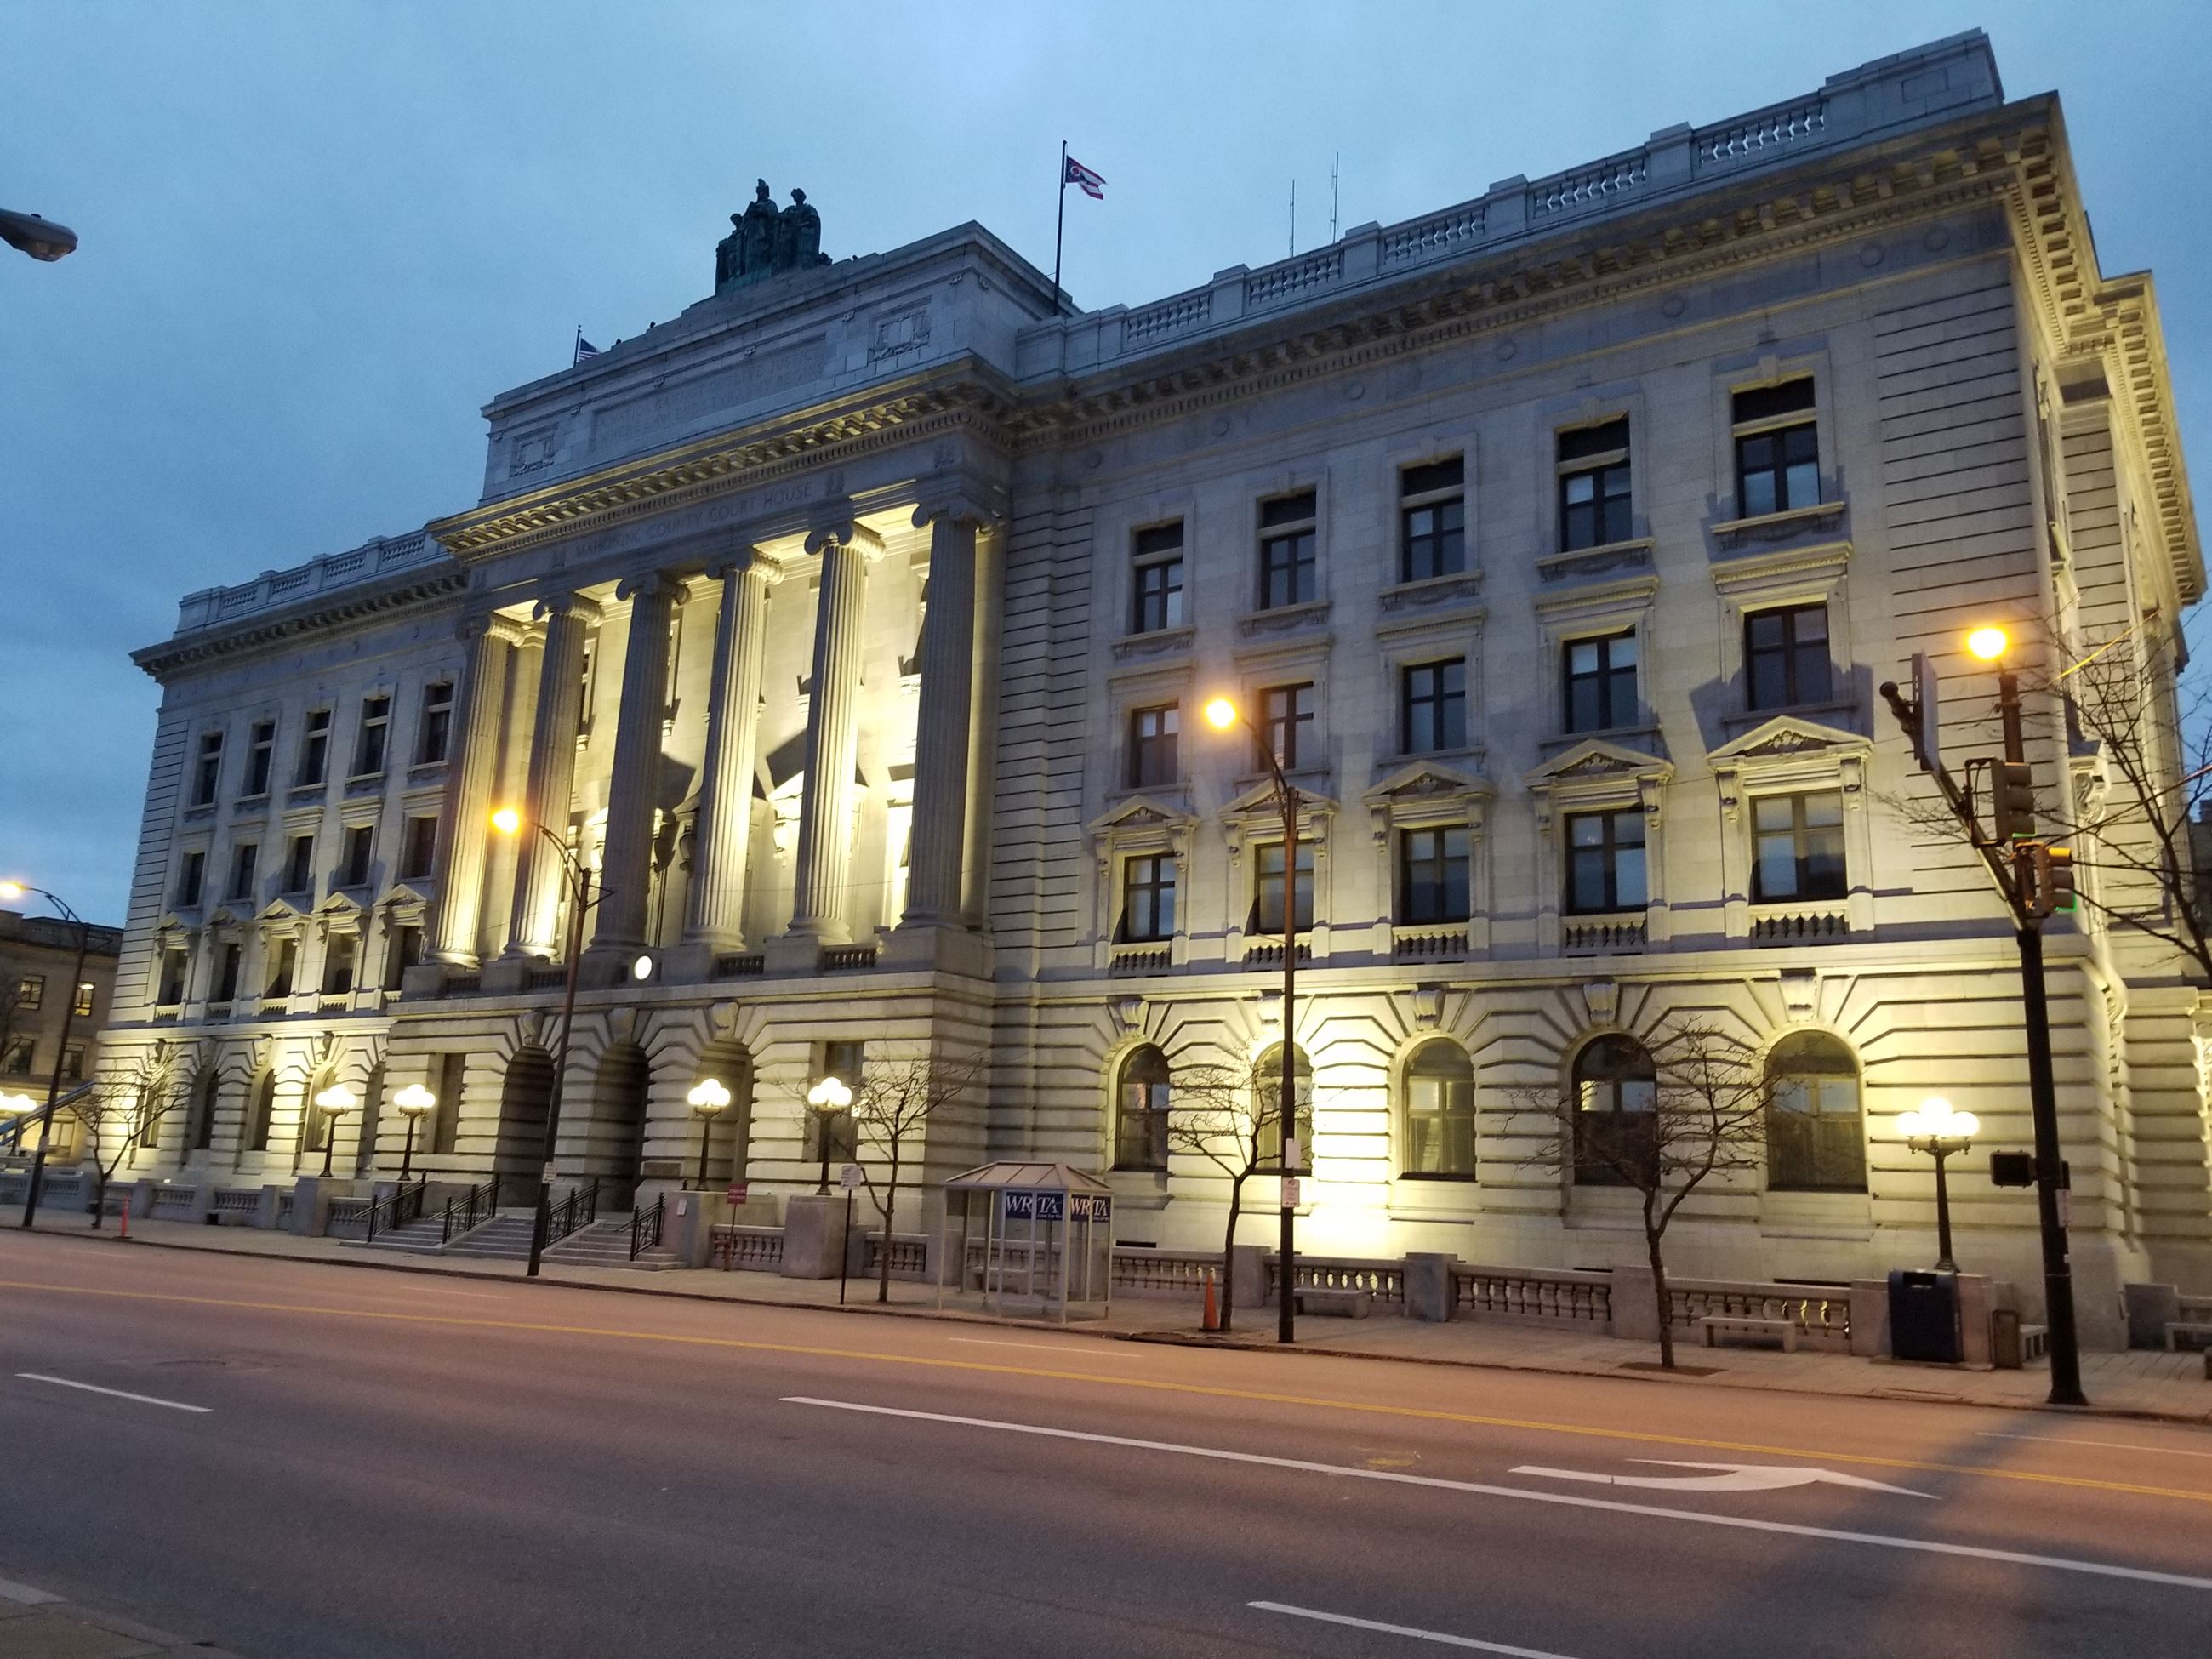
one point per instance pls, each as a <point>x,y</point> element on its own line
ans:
<point>1816,1142</point>
<point>315,1123</point>
<point>1266,1098</point>
<point>1140,1111</point>
<point>264,1108</point>
<point>1440,1112</point>
<point>1616,1113</point>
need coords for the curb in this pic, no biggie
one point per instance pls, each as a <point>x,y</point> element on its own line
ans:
<point>72,1621</point>
<point>1170,1338</point>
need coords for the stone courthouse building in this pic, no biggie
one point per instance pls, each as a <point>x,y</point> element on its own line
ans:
<point>853,629</point>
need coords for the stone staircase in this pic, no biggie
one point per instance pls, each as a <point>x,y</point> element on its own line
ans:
<point>505,1237</point>
<point>606,1244</point>
<point>422,1237</point>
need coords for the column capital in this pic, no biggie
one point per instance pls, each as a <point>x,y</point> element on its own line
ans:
<point>849,534</point>
<point>652,585</point>
<point>958,501</point>
<point>576,606</point>
<point>739,561</point>
<point>494,625</point>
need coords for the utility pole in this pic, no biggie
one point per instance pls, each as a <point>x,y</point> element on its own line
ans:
<point>2034,881</point>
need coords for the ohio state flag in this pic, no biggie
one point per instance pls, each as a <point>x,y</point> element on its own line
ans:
<point>1091,184</point>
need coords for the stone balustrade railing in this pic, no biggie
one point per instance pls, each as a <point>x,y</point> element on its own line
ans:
<point>377,557</point>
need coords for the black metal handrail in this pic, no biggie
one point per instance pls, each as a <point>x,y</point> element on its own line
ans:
<point>579,1209</point>
<point>466,1214</point>
<point>645,1228</point>
<point>398,1209</point>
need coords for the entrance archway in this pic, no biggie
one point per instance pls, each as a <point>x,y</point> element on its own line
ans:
<point>525,1096</point>
<point>613,1127</point>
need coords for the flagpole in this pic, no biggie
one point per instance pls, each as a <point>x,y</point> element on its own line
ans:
<point>1060,227</point>
<point>576,351</point>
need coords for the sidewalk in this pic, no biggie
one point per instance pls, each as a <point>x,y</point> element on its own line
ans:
<point>36,1625</point>
<point>2170,1386</point>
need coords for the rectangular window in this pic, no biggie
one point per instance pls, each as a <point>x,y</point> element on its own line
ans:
<point>1605,861</point>
<point>260,755</point>
<point>339,958</point>
<point>1148,897</point>
<point>1432,521</point>
<point>404,951</point>
<point>191,875</point>
<point>1152,733</point>
<point>228,966</point>
<point>359,840</point>
<point>282,963</point>
<point>31,992</point>
<point>73,1070</point>
<point>1594,485</point>
<point>172,990</point>
<point>1785,654</point>
<point>1798,846</point>
<point>1433,875</point>
<point>242,859</point>
<point>1286,715</point>
<point>420,849</point>
<point>437,728</point>
<point>207,775</point>
<point>300,865</point>
<point>1432,714</point>
<point>314,750</point>
<point>1601,683</point>
<point>1159,578</point>
<point>1778,451</point>
<point>368,743</point>
<point>15,1059</point>
<point>1288,571</point>
<point>446,1120</point>
<point>1267,906</point>
<point>85,994</point>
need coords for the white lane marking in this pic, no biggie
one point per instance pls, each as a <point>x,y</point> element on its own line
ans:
<point>1734,1477</point>
<point>1046,1348</point>
<point>119,1393</point>
<point>1418,1635</point>
<point>2110,1445</point>
<point>1612,1505</point>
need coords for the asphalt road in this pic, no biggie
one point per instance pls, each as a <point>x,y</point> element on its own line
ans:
<point>382,1465</point>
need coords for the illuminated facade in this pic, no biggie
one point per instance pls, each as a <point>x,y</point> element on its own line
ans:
<point>852,627</point>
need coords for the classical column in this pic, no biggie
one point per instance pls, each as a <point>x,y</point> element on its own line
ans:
<point>984,733</point>
<point>538,879</point>
<point>715,907</point>
<point>825,828</point>
<point>626,869</point>
<point>943,725</point>
<point>462,847</point>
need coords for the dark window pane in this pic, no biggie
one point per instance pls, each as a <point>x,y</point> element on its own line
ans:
<point>1286,509</point>
<point>1578,442</point>
<point>1448,474</point>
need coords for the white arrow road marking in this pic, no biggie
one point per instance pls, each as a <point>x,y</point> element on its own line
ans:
<point>1735,1477</point>
<point>118,1393</point>
<point>1522,1494</point>
<point>1442,1638</point>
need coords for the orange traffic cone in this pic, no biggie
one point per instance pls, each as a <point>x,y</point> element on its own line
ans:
<point>126,1217</point>
<point>1212,1313</point>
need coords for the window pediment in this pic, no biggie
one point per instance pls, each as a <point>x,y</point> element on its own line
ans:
<point>1789,737</point>
<point>280,911</point>
<point>1599,761</point>
<point>1426,793</point>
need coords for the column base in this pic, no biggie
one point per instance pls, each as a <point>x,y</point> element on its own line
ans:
<point>944,947</point>
<point>791,953</point>
<point>693,962</point>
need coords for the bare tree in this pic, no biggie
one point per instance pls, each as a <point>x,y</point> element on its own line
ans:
<point>1231,1116</point>
<point>129,1108</point>
<point>893,1099</point>
<point>1700,1113</point>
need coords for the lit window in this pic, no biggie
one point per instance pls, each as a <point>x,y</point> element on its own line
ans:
<point>1148,897</point>
<point>1440,1112</point>
<point>1815,1140</point>
<point>1616,1104</point>
<point>1140,1116</point>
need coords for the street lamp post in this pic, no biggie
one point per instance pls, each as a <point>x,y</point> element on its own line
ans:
<point>1940,1132</point>
<point>11,889</point>
<point>828,1097</point>
<point>414,1102</point>
<point>707,1098</point>
<point>1221,713</point>
<point>578,876</point>
<point>334,1102</point>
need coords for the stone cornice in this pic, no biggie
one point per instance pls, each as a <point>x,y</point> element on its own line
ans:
<point>325,611</point>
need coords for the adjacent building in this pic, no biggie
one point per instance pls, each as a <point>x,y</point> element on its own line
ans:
<point>850,632</point>
<point>51,1008</point>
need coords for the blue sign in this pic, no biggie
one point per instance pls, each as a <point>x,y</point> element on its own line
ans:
<point>1089,1207</point>
<point>1032,1206</point>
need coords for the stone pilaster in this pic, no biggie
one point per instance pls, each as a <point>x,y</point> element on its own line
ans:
<point>714,907</point>
<point>983,732</point>
<point>569,618</point>
<point>825,827</point>
<point>943,727</point>
<point>626,872</point>
<point>462,846</point>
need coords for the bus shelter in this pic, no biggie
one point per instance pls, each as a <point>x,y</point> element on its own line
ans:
<point>1047,1237</point>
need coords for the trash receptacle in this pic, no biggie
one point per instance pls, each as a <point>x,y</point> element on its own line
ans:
<point>1923,1316</point>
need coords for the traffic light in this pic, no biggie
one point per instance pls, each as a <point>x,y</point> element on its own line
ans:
<point>2012,800</point>
<point>2046,878</point>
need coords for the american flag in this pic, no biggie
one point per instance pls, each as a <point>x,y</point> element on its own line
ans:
<point>1091,185</point>
<point>584,348</point>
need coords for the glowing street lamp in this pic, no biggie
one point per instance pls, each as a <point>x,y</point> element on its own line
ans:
<point>414,1103</point>
<point>334,1102</point>
<point>1222,714</point>
<point>709,1098</point>
<point>830,1097</point>
<point>1940,1131</point>
<point>1987,643</point>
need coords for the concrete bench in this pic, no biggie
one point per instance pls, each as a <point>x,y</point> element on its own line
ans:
<point>2178,1328</point>
<point>1342,1305</point>
<point>1717,1325</point>
<point>2034,1343</point>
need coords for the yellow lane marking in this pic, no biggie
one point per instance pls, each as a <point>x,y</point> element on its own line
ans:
<point>1313,1402</point>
